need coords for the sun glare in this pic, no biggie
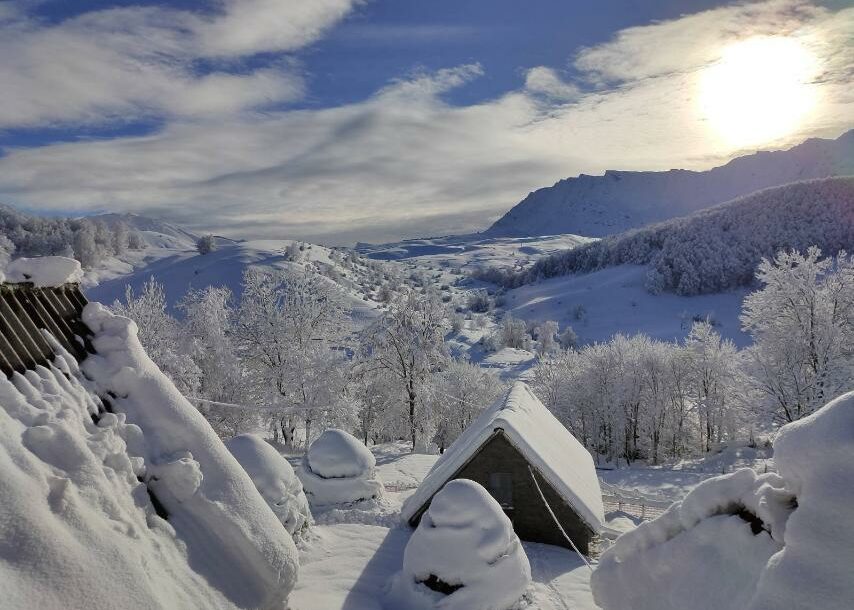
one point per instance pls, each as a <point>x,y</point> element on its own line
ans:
<point>759,90</point>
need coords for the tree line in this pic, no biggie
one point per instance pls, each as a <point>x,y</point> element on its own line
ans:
<point>89,240</point>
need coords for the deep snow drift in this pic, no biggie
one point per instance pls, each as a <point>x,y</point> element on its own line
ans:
<point>78,528</point>
<point>85,485</point>
<point>759,542</point>
<point>463,556</point>
<point>275,480</point>
<point>338,469</point>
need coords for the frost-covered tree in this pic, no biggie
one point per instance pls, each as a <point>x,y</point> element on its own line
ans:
<point>458,394</point>
<point>713,374</point>
<point>206,244</point>
<point>407,343</point>
<point>513,333</point>
<point>208,326</point>
<point>802,324</point>
<point>160,334</point>
<point>546,334</point>
<point>291,326</point>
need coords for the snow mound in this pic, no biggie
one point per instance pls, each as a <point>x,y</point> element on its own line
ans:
<point>749,541</point>
<point>275,480</point>
<point>77,527</point>
<point>337,454</point>
<point>338,469</point>
<point>463,556</point>
<point>45,271</point>
<point>231,536</point>
<point>540,437</point>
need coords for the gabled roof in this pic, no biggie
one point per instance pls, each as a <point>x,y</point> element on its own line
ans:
<point>538,435</point>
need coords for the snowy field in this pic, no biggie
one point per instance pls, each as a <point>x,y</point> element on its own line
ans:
<point>599,304</point>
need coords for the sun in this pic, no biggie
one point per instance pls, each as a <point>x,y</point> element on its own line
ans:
<point>759,90</point>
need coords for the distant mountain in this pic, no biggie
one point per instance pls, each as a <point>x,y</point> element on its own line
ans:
<point>596,206</point>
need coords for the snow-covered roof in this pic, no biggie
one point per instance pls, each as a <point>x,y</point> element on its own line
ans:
<point>45,271</point>
<point>540,438</point>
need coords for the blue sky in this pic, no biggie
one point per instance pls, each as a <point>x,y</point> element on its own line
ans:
<point>339,120</point>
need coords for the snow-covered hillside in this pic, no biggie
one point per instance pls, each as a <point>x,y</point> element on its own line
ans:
<point>179,267</point>
<point>597,305</point>
<point>468,252</point>
<point>621,200</point>
<point>719,249</point>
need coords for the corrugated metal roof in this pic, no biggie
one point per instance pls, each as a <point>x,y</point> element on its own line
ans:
<point>26,312</point>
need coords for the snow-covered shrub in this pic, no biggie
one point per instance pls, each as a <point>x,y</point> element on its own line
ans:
<point>275,480</point>
<point>206,244</point>
<point>568,339</point>
<point>338,469</point>
<point>479,301</point>
<point>463,556</point>
<point>748,541</point>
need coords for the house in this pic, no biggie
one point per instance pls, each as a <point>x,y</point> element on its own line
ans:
<point>531,464</point>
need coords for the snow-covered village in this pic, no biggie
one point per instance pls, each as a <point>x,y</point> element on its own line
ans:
<point>400,305</point>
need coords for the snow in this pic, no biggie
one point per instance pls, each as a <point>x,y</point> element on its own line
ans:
<point>464,540</point>
<point>275,480</point>
<point>77,528</point>
<point>338,469</point>
<point>815,458</point>
<point>348,567</point>
<point>44,271</point>
<point>179,267</point>
<point>600,304</point>
<point>745,540</point>
<point>231,536</point>
<point>540,437</point>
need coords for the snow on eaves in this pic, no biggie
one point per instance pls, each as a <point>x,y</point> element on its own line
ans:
<point>540,437</point>
<point>232,537</point>
<point>43,272</point>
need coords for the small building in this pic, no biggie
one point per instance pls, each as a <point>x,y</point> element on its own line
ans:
<point>530,463</point>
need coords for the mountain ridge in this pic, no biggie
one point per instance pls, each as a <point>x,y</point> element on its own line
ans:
<point>596,206</point>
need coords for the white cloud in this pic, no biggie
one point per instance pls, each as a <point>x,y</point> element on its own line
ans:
<point>120,64</point>
<point>253,26</point>
<point>405,162</point>
<point>545,81</point>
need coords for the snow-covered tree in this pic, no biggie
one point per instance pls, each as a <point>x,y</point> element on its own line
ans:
<point>160,334</point>
<point>206,244</point>
<point>546,335</point>
<point>802,324</point>
<point>291,326</point>
<point>208,326</point>
<point>458,394</point>
<point>407,343</point>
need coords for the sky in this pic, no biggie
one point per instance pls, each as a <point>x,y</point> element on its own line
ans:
<point>339,121</point>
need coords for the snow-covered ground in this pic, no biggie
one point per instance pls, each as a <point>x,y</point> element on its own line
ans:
<point>598,305</point>
<point>352,554</point>
<point>179,267</point>
<point>347,564</point>
<point>472,251</point>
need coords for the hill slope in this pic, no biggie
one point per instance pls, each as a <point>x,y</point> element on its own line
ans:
<point>602,205</point>
<point>718,249</point>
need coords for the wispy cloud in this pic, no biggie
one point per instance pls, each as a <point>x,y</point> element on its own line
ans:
<point>405,162</point>
<point>122,63</point>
